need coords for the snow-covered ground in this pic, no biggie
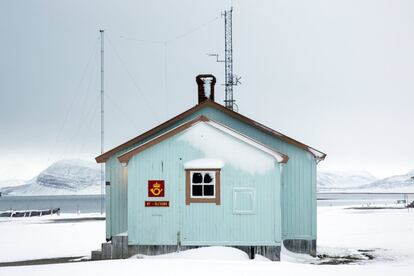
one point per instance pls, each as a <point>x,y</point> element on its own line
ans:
<point>184,267</point>
<point>341,231</point>
<point>389,232</point>
<point>50,236</point>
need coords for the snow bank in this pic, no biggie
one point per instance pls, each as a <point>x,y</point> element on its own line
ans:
<point>202,268</point>
<point>292,257</point>
<point>204,253</point>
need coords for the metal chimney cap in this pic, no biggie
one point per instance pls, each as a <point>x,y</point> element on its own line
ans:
<point>201,81</point>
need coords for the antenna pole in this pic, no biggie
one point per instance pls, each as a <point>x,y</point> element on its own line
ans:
<point>102,118</point>
<point>230,79</point>
<point>228,58</point>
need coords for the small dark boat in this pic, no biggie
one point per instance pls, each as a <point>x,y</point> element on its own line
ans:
<point>29,213</point>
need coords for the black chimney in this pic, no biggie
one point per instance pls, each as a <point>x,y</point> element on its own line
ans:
<point>202,81</point>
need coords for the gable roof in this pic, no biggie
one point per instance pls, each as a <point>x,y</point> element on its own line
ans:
<point>281,158</point>
<point>316,153</point>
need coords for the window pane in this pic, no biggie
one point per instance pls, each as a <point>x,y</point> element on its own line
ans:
<point>207,178</point>
<point>209,190</point>
<point>197,190</point>
<point>197,178</point>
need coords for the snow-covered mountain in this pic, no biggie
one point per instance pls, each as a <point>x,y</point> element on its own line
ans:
<point>335,181</point>
<point>364,182</point>
<point>394,184</point>
<point>11,183</point>
<point>64,177</point>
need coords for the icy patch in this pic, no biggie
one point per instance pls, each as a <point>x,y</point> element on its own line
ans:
<point>338,256</point>
<point>204,163</point>
<point>217,144</point>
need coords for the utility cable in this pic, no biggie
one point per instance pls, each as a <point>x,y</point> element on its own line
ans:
<point>134,82</point>
<point>177,37</point>
<point>75,96</point>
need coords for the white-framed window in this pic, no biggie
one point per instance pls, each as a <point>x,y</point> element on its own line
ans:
<point>203,184</point>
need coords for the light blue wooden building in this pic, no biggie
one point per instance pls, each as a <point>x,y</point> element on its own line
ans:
<point>210,176</point>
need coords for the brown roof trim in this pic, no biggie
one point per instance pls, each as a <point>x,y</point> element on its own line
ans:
<point>124,158</point>
<point>267,129</point>
<point>103,157</point>
<point>285,158</point>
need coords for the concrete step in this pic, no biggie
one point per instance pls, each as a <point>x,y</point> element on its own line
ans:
<point>106,251</point>
<point>96,255</point>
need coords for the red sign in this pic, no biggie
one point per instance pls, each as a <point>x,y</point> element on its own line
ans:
<point>156,188</point>
<point>157,204</point>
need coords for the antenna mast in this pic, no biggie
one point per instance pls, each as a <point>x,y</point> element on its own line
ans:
<point>228,57</point>
<point>230,79</point>
<point>102,117</point>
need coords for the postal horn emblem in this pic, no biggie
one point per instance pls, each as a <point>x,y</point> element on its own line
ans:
<point>156,189</point>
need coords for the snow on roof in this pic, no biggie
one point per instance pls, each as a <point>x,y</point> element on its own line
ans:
<point>219,142</point>
<point>204,163</point>
<point>278,156</point>
<point>103,157</point>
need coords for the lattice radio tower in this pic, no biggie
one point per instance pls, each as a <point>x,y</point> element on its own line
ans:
<point>230,79</point>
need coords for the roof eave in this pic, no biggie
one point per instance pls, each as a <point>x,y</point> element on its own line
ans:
<point>125,157</point>
<point>105,156</point>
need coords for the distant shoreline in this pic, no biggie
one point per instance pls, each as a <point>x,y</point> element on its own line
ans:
<point>318,193</point>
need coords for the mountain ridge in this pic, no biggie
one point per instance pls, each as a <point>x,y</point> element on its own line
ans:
<point>331,182</point>
<point>64,177</point>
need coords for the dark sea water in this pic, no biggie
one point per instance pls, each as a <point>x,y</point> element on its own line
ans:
<point>66,203</point>
<point>92,203</point>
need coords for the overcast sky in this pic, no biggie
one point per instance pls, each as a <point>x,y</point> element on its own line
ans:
<point>336,75</point>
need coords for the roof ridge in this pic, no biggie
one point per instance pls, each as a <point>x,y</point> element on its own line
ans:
<point>125,157</point>
<point>316,153</point>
